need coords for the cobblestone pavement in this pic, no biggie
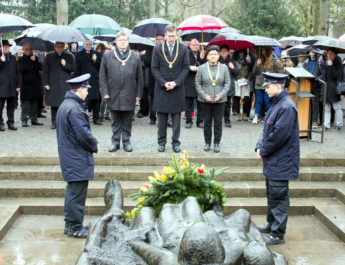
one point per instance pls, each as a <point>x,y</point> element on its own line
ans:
<point>238,140</point>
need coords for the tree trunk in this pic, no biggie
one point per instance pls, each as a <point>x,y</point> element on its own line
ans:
<point>324,9</point>
<point>62,12</point>
<point>213,8</point>
<point>316,17</point>
<point>152,8</point>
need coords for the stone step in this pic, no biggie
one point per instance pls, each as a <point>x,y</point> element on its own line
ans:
<point>233,189</point>
<point>140,173</point>
<point>161,159</point>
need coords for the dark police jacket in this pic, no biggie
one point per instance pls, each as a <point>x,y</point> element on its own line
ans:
<point>279,142</point>
<point>75,141</point>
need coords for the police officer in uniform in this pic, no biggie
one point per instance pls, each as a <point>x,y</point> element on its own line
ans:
<point>279,148</point>
<point>76,146</point>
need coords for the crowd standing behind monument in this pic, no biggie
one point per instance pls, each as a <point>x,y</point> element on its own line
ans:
<point>163,79</point>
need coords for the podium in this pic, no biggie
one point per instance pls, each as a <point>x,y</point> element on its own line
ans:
<point>300,93</point>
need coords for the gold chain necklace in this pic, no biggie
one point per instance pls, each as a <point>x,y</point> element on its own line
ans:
<point>214,81</point>
<point>165,57</point>
<point>123,62</point>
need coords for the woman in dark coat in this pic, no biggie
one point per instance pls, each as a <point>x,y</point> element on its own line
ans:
<point>332,74</point>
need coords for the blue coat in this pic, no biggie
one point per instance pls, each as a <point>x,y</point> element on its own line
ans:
<point>279,142</point>
<point>75,141</point>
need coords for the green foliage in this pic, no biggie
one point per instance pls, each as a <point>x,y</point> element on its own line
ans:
<point>269,18</point>
<point>178,181</point>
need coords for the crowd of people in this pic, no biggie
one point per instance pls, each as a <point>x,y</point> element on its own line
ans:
<point>170,79</point>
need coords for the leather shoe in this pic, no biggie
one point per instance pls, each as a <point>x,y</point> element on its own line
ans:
<point>25,124</point>
<point>200,125</point>
<point>36,122</point>
<point>2,127</point>
<point>140,115</point>
<point>271,240</point>
<point>114,148</point>
<point>188,125</point>
<point>207,147</point>
<point>127,147</point>
<point>53,127</point>
<point>97,122</point>
<point>161,148</point>
<point>216,148</point>
<point>41,116</point>
<point>12,127</point>
<point>228,124</point>
<point>176,149</point>
<point>264,228</point>
<point>152,122</point>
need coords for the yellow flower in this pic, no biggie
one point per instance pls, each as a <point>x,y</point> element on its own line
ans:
<point>142,199</point>
<point>151,179</point>
<point>170,170</point>
<point>143,189</point>
<point>157,176</point>
<point>127,214</point>
<point>163,178</point>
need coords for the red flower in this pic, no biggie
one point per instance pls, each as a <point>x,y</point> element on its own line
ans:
<point>147,186</point>
<point>201,170</point>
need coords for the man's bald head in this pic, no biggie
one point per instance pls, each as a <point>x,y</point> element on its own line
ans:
<point>27,49</point>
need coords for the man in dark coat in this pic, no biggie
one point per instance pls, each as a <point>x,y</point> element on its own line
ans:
<point>31,89</point>
<point>190,92</point>
<point>121,79</point>
<point>9,85</point>
<point>170,66</point>
<point>89,61</point>
<point>57,68</point>
<point>279,148</point>
<point>76,146</point>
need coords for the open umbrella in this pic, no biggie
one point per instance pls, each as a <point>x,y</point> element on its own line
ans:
<point>139,43</point>
<point>151,27</point>
<point>313,39</point>
<point>291,41</point>
<point>106,37</point>
<point>36,44</point>
<point>63,34</point>
<point>233,40</point>
<point>39,27</point>
<point>301,48</point>
<point>95,24</point>
<point>263,41</point>
<point>230,30</point>
<point>333,43</point>
<point>208,35</point>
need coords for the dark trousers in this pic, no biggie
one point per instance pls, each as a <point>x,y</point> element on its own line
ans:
<point>278,205</point>
<point>152,113</point>
<point>53,112</point>
<point>93,105</point>
<point>189,109</point>
<point>246,105</point>
<point>315,101</point>
<point>227,109</point>
<point>29,109</point>
<point>75,197</point>
<point>121,125</point>
<point>213,112</point>
<point>144,102</point>
<point>162,127</point>
<point>10,107</point>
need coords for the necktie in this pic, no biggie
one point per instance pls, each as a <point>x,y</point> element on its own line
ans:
<point>171,48</point>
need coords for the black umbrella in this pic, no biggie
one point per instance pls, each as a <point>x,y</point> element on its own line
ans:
<point>301,48</point>
<point>63,34</point>
<point>106,37</point>
<point>151,27</point>
<point>313,39</point>
<point>333,43</point>
<point>291,41</point>
<point>263,41</point>
<point>208,35</point>
<point>139,43</point>
<point>36,44</point>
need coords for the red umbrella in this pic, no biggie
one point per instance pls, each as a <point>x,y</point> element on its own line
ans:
<point>233,40</point>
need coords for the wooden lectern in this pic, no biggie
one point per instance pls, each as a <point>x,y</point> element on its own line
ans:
<point>300,93</point>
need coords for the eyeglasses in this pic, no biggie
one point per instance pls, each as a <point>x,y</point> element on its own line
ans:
<point>122,40</point>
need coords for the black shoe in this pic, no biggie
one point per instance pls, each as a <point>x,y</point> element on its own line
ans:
<point>81,233</point>
<point>152,122</point>
<point>140,115</point>
<point>2,127</point>
<point>228,124</point>
<point>271,240</point>
<point>41,116</point>
<point>12,127</point>
<point>65,231</point>
<point>200,125</point>
<point>127,147</point>
<point>176,148</point>
<point>97,122</point>
<point>25,124</point>
<point>337,128</point>
<point>36,122</point>
<point>264,228</point>
<point>161,148</point>
<point>53,127</point>
<point>114,148</point>
<point>107,118</point>
<point>169,123</point>
<point>188,125</point>
<point>234,113</point>
<point>207,147</point>
<point>216,148</point>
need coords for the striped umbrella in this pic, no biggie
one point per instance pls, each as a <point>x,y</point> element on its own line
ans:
<point>263,41</point>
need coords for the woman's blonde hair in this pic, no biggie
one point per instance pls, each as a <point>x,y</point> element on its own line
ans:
<point>266,59</point>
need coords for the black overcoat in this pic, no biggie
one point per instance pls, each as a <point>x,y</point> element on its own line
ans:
<point>172,101</point>
<point>85,65</point>
<point>189,82</point>
<point>31,86</point>
<point>332,74</point>
<point>9,77</point>
<point>233,72</point>
<point>55,75</point>
<point>315,85</point>
<point>123,83</point>
<point>149,80</point>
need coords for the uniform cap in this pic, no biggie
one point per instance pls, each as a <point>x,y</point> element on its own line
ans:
<point>274,78</point>
<point>79,81</point>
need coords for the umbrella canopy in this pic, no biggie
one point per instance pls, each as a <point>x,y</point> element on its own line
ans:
<point>263,41</point>
<point>313,39</point>
<point>151,27</point>
<point>291,41</point>
<point>139,43</point>
<point>106,37</point>
<point>202,22</point>
<point>39,27</point>
<point>205,35</point>
<point>12,23</point>
<point>96,24</point>
<point>230,30</point>
<point>301,48</point>
<point>126,30</point>
<point>233,40</point>
<point>342,38</point>
<point>63,34</point>
<point>36,44</point>
<point>333,43</point>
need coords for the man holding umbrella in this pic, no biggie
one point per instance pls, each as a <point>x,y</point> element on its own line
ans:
<point>170,66</point>
<point>58,67</point>
<point>9,86</point>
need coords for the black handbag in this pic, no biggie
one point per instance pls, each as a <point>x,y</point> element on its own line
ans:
<point>341,88</point>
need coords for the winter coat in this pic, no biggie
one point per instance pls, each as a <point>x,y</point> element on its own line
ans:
<point>204,85</point>
<point>315,85</point>
<point>233,73</point>
<point>189,82</point>
<point>123,83</point>
<point>76,144</point>
<point>169,101</point>
<point>31,86</point>
<point>85,65</point>
<point>55,75</point>
<point>149,80</point>
<point>279,143</point>
<point>258,70</point>
<point>9,76</point>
